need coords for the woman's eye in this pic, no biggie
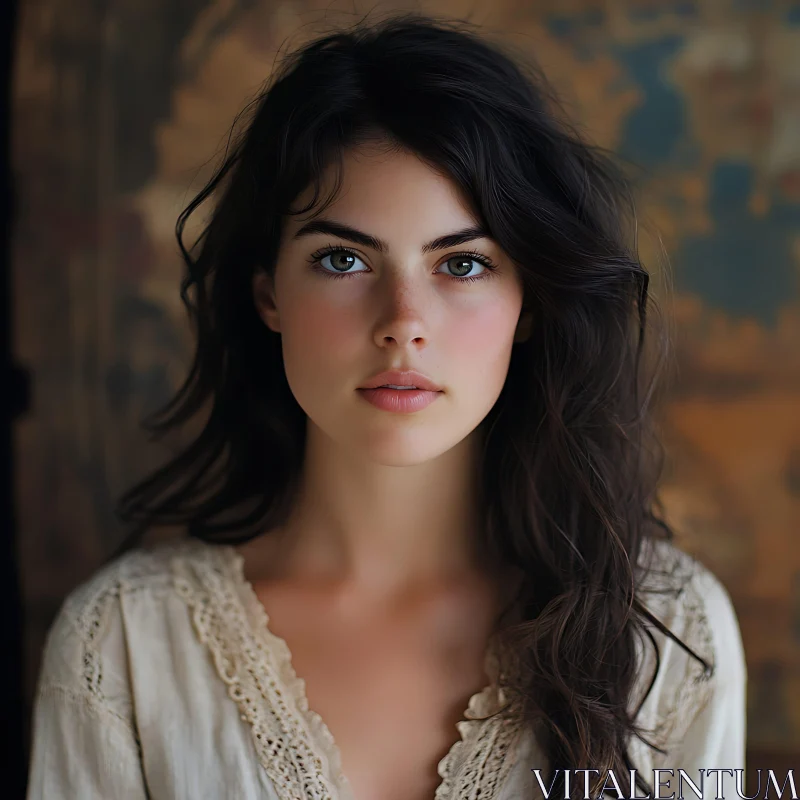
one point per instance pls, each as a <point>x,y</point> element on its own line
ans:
<point>462,266</point>
<point>338,262</point>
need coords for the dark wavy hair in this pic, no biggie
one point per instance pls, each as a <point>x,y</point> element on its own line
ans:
<point>571,456</point>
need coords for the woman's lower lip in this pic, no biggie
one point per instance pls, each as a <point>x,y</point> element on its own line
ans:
<point>402,401</point>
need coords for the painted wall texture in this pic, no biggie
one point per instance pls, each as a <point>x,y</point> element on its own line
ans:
<point>121,109</point>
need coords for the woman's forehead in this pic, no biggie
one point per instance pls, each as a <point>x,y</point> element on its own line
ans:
<point>395,192</point>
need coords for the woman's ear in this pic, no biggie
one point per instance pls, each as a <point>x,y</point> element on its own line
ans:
<point>523,327</point>
<point>264,299</point>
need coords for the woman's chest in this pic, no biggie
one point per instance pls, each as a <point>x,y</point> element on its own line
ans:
<point>390,691</point>
<point>391,710</point>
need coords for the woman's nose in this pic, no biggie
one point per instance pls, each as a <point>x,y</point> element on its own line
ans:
<point>402,319</point>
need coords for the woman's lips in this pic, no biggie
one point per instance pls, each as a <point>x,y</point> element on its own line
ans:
<point>400,401</point>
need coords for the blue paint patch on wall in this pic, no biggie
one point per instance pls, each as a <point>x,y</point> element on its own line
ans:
<point>792,16</point>
<point>561,27</point>
<point>652,131</point>
<point>744,267</point>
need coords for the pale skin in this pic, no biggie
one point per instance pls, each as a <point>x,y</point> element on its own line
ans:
<point>375,581</point>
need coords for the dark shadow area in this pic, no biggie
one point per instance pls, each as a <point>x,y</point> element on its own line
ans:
<point>16,394</point>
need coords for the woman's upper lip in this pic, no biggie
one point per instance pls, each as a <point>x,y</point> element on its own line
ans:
<point>401,377</point>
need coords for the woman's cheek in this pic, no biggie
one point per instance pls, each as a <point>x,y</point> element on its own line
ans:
<point>320,331</point>
<point>484,335</point>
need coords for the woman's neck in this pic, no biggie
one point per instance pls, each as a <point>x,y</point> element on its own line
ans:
<point>382,527</point>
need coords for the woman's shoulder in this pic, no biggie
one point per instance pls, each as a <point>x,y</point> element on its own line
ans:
<point>688,598</point>
<point>145,569</point>
<point>86,645</point>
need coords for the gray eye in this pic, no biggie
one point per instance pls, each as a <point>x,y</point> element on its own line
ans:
<point>461,266</point>
<point>340,261</point>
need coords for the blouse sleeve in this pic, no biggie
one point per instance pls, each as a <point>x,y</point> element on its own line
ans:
<point>84,744</point>
<point>714,737</point>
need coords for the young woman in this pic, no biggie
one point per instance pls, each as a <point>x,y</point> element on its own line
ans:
<point>419,555</point>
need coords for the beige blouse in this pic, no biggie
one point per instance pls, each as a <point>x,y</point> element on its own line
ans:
<point>161,679</point>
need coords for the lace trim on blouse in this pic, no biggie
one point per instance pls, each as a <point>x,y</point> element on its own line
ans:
<point>293,743</point>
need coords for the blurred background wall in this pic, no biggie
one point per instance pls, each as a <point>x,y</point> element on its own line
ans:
<point>121,108</point>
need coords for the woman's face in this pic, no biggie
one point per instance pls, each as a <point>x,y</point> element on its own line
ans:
<point>398,307</point>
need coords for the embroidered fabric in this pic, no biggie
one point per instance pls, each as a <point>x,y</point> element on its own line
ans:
<point>89,621</point>
<point>689,621</point>
<point>294,744</point>
<point>477,765</point>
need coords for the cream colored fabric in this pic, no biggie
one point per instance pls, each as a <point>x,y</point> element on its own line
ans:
<point>161,679</point>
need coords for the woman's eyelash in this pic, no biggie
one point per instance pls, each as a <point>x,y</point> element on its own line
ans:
<point>483,260</point>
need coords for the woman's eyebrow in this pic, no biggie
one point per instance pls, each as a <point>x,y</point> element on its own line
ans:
<point>343,231</point>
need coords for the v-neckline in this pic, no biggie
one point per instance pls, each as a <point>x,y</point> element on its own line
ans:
<point>485,701</point>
